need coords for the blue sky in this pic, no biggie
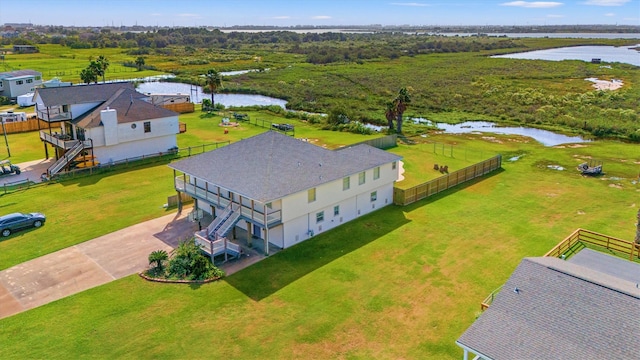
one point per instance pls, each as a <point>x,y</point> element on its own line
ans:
<point>318,12</point>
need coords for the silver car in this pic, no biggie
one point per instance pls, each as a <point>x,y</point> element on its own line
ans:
<point>17,221</point>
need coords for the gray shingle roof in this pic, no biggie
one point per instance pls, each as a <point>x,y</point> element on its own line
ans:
<point>560,311</point>
<point>271,165</point>
<point>129,108</point>
<point>82,94</point>
<point>18,73</point>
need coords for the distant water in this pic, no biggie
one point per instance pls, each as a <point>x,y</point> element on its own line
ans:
<point>197,94</point>
<point>546,138</point>
<point>608,54</point>
<point>552,35</point>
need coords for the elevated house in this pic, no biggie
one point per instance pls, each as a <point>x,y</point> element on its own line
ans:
<point>102,123</point>
<point>586,307</point>
<point>282,190</point>
<point>19,82</point>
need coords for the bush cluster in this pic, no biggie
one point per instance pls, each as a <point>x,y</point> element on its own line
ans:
<point>185,263</point>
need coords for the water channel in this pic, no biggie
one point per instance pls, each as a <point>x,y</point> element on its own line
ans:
<point>607,54</point>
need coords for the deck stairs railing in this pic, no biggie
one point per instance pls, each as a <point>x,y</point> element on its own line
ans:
<point>68,156</point>
<point>223,223</point>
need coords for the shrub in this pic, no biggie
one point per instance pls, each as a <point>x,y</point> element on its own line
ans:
<point>186,263</point>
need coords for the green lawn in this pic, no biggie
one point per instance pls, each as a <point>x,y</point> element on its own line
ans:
<point>403,282</point>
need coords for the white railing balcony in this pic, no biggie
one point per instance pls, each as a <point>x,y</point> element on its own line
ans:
<point>54,115</point>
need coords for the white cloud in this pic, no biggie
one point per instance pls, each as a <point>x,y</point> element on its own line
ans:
<point>609,14</point>
<point>555,16</point>
<point>410,4</point>
<point>155,14</point>
<point>606,2</point>
<point>281,17</point>
<point>533,4</point>
<point>321,17</point>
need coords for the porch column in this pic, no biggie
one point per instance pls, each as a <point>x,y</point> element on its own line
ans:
<point>266,241</point>
<point>249,234</point>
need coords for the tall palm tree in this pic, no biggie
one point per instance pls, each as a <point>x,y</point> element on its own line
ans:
<point>401,102</point>
<point>102,65</point>
<point>213,81</point>
<point>390,113</point>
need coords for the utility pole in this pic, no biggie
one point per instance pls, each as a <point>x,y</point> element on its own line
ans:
<point>6,141</point>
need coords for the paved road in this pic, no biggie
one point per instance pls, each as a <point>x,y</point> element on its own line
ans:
<point>89,264</point>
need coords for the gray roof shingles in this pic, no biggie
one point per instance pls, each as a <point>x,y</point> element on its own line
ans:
<point>271,165</point>
<point>560,311</point>
<point>18,73</point>
<point>82,94</point>
<point>129,108</point>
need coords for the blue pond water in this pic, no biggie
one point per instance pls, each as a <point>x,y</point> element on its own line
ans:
<point>197,94</point>
<point>545,137</point>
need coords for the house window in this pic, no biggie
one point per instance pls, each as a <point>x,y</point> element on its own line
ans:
<point>374,196</point>
<point>376,173</point>
<point>29,81</point>
<point>18,82</point>
<point>268,205</point>
<point>311,195</point>
<point>346,183</point>
<point>336,210</point>
<point>38,78</point>
<point>393,165</point>
<point>147,126</point>
<point>320,217</point>
<point>361,178</point>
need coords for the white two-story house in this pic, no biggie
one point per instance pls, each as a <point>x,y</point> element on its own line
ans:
<point>284,190</point>
<point>19,82</point>
<point>102,123</point>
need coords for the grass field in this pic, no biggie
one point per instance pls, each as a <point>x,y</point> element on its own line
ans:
<point>402,282</point>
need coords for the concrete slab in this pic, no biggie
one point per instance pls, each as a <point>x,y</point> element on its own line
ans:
<point>31,170</point>
<point>89,264</point>
<point>52,277</point>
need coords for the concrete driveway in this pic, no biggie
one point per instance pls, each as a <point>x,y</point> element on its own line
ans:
<point>31,170</point>
<point>89,264</point>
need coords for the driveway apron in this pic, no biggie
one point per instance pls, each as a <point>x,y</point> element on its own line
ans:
<point>89,264</point>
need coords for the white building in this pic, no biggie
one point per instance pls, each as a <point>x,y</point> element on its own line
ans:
<point>284,190</point>
<point>103,123</point>
<point>19,82</point>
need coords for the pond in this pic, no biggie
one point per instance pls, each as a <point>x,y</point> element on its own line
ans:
<point>608,54</point>
<point>545,137</point>
<point>197,94</point>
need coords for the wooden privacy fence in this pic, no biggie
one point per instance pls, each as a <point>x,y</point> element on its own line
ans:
<point>385,142</point>
<point>422,191</point>
<point>25,126</point>
<point>582,236</point>
<point>181,107</point>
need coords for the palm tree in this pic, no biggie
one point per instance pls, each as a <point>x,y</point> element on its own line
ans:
<point>140,62</point>
<point>158,257</point>
<point>213,81</point>
<point>88,75</point>
<point>102,65</point>
<point>390,113</point>
<point>401,102</point>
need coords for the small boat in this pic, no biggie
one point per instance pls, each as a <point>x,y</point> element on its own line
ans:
<point>585,169</point>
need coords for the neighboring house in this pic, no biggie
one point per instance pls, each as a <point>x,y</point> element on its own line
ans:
<point>25,49</point>
<point>19,82</point>
<point>284,190</point>
<point>583,308</point>
<point>104,122</point>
